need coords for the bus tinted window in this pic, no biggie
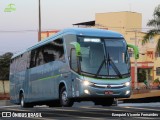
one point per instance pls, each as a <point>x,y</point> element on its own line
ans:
<point>47,53</point>
<point>20,63</point>
<point>68,40</point>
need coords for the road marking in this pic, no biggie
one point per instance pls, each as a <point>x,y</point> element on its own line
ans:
<point>9,106</point>
<point>102,109</point>
<point>19,109</point>
<point>145,118</point>
<point>142,108</point>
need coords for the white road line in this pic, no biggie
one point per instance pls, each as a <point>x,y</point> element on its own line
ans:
<point>102,109</point>
<point>17,110</point>
<point>142,108</point>
<point>9,106</point>
<point>147,118</point>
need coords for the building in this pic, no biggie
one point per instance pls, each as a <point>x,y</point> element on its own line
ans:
<point>45,34</point>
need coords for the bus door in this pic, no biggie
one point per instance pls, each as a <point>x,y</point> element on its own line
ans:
<point>74,64</point>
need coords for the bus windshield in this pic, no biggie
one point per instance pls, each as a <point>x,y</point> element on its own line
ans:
<point>104,58</point>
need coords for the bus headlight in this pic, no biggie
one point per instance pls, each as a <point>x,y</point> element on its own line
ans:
<point>86,91</point>
<point>127,84</point>
<point>127,92</point>
<point>87,83</point>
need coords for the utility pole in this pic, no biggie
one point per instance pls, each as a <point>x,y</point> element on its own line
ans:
<point>135,64</point>
<point>39,31</point>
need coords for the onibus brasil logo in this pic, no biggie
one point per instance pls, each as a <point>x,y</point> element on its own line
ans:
<point>10,8</point>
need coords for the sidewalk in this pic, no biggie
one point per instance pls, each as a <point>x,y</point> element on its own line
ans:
<point>5,103</point>
<point>143,94</point>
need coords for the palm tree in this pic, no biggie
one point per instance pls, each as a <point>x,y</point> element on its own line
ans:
<point>155,23</point>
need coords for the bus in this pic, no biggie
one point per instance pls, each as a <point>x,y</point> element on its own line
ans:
<point>74,65</point>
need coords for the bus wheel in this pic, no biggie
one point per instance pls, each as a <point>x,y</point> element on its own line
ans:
<point>22,103</point>
<point>64,100</point>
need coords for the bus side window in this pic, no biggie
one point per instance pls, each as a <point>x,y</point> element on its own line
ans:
<point>32,59</point>
<point>40,57</point>
<point>69,39</point>
<point>53,51</point>
<point>73,60</point>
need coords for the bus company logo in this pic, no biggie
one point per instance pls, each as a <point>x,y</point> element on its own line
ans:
<point>6,114</point>
<point>108,86</point>
<point>10,8</point>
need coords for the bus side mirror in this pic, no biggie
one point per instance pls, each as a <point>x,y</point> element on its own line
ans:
<point>73,60</point>
<point>77,48</point>
<point>135,49</point>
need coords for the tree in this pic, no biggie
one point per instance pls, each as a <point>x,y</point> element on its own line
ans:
<point>155,23</point>
<point>4,67</point>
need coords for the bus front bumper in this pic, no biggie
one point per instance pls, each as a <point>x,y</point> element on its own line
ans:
<point>97,91</point>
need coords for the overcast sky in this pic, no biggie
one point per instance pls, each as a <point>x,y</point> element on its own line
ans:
<point>58,14</point>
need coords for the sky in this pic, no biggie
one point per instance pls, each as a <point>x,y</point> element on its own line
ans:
<point>19,29</point>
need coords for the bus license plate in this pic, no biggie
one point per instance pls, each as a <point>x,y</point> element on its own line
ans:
<point>108,92</point>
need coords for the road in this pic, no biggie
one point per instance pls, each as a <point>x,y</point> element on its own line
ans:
<point>85,110</point>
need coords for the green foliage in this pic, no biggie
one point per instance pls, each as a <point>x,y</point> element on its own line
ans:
<point>156,80</point>
<point>155,23</point>
<point>5,65</point>
<point>141,76</point>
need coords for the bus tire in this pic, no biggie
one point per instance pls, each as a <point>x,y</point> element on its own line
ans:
<point>64,100</point>
<point>22,102</point>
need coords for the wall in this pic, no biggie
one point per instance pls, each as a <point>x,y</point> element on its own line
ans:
<point>45,34</point>
<point>6,84</point>
<point>119,21</point>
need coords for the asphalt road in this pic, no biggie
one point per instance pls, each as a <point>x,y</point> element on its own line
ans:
<point>85,110</point>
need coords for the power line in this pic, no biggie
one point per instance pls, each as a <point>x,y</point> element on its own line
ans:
<point>8,31</point>
<point>15,31</point>
<point>21,31</point>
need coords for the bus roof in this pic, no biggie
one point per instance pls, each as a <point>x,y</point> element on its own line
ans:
<point>76,31</point>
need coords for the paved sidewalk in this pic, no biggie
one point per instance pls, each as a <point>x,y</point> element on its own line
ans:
<point>5,103</point>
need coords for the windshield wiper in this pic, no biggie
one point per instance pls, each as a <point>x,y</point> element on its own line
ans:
<point>110,62</point>
<point>99,69</point>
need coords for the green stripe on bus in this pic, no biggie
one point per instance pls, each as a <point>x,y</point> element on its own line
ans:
<point>50,77</point>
